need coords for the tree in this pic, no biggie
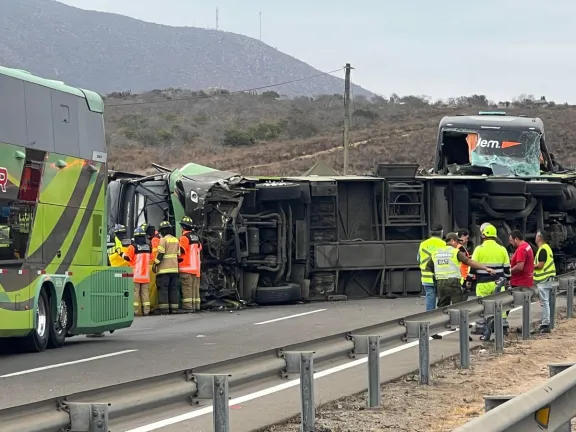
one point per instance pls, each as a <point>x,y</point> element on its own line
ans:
<point>237,138</point>
<point>270,95</point>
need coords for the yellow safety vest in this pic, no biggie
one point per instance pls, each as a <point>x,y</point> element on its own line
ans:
<point>115,259</point>
<point>446,264</point>
<point>425,254</point>
<point>549,269</point>
<point>492,255</point>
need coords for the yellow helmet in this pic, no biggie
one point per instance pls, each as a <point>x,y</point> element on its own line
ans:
<point>186,222</point>
<point>489,231</point>
<point>165,224</point>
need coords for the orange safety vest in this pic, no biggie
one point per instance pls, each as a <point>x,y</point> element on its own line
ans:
<point>464,269</point>
<point>155,242</point>
<point>191,257</point>
<point>139,255</point>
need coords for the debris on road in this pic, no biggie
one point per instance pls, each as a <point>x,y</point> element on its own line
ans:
<point>455,396</point>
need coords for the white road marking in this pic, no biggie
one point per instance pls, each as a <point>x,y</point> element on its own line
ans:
<point>24,372</point>
<point>275,389</point>
<point>289,317</point>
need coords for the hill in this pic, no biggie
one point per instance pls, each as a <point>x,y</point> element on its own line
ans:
<point>108,52</point>
<point>262,134</point>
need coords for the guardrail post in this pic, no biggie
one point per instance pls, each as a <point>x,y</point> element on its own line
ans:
<point>307,391</point>
<point>553,297</point>
<point>491,402</point>
<point>570,298</point>
<point>420,330</point>
<point>498,327</point>
<point>464,339</point>
<point>374,396</point>
<point>88,417</point>
<point>220,406</point>
<point>424,352</point>
<point>554,369</point>
<point>526,315</point>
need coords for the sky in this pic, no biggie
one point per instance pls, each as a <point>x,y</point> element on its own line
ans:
<point>441,49</point>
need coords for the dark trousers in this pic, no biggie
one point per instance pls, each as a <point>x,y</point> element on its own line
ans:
<point>168,295</point>
<point>450,292</point>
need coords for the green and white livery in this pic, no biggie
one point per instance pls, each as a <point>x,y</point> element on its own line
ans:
<point>54,278</point>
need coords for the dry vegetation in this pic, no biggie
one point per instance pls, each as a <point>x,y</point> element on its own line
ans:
<point>455,396</point>
<point>264,134</point>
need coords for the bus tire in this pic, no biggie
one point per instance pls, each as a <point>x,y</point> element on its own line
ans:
<point>37,340</point>
<point>60,325</point>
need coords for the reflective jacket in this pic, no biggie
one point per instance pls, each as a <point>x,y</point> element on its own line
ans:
<point>446,264</point>
<point>492,255</point>
<point>425,254</point>
<point>139,255</point>
<point>549,269</point>
<point>167,257</point>
<point>464,268</point>
<point>116,259</point>
<point>190,257</point>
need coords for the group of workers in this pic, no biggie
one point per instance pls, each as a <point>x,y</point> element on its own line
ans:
<point>449,271</point>
<point>174,262</point>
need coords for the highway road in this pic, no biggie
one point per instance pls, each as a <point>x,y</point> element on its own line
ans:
<point>159,345</point>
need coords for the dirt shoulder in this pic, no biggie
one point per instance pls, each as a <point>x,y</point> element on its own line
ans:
<point>455,396</point>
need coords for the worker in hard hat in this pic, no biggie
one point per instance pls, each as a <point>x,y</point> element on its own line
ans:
<point>138,255</point>
<point>445,264</point>
<point>121,243</point>
<point>189,265</point>
<point>166,268</point>
<point>494,256</point>
<point>425,251</point>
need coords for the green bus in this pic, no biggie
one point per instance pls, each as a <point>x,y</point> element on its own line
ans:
<point>55,281</point>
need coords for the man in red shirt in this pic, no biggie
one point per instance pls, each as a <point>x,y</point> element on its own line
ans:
<point>522,264</point>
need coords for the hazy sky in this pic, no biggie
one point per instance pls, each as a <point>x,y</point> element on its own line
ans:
<point>440,48</point>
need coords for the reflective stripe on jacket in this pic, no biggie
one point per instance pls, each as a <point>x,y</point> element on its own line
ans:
<point>191,257</point>
<point>549,269</point>
<point>446,264</point>
<point>169,247</point>
<point>425,254</point>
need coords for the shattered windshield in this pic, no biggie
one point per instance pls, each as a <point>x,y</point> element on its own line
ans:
<point>506,152</point>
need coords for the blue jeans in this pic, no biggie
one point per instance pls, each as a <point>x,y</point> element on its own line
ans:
<point>544,289</point>
<point>430,291</point>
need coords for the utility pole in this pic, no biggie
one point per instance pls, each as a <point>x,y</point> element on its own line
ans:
<point>217,18</point>
<point>347,121</point>
<point>260,26</point>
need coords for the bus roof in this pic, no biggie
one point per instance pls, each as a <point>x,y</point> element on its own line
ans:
<point>93,99</point>
<point>503,121</point>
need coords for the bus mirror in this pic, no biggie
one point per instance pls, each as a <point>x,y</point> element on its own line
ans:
<point>19,155</point>
<point>61,164</point>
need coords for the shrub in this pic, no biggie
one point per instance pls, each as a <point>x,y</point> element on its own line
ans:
<point>237,138</point>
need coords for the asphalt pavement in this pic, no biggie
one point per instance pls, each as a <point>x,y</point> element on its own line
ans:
<point>160,345</point>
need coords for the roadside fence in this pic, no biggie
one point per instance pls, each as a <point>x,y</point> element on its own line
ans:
<point>80,413</point>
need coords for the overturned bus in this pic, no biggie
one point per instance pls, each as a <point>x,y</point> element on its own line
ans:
<point>280,240</point>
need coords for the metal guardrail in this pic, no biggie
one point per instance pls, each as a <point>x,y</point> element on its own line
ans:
<point>549,406</point>
<point>80,412</point>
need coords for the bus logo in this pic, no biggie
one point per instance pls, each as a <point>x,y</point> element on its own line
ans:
<point>496,144</point>
<point>3,178</point>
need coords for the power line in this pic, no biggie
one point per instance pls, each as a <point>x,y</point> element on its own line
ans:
<point>232,92</point>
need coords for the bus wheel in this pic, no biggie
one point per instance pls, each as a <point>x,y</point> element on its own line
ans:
<point>37,340</point>
<point>60,325</point>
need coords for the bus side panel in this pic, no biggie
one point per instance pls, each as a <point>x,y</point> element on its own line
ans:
<point>16,303</point>
<point>105,298</point>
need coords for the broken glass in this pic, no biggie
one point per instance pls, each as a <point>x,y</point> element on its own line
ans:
<point>506,152</point>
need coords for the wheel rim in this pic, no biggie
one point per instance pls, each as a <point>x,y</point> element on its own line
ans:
<point>62,320</point>
<point>41,318</point>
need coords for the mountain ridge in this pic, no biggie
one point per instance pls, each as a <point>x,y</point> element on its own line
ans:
<point>108,52</point>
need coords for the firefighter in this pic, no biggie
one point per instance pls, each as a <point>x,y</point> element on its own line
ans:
<point>424,254</point>
<point>544,275</point>
<point>496,257</point>
<point>189,265</point>
<point>445,264</point>
<point>166,269</point>
<point>138,255</point>
<point>121,243</point>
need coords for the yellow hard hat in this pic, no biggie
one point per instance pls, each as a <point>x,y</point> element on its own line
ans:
<point>489,231</point>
